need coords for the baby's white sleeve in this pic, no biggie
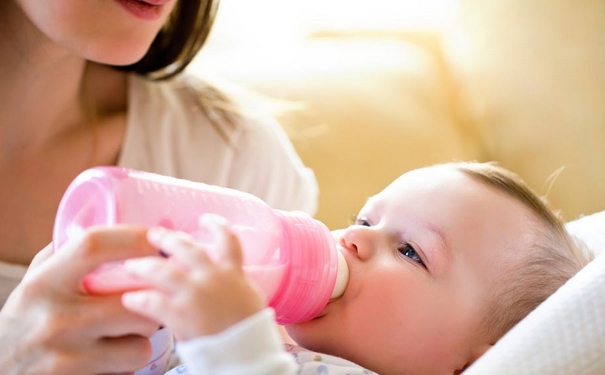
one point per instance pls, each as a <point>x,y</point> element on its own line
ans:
<point>250,347</point>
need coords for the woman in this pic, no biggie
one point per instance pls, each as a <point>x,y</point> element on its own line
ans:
<point>86,83</point>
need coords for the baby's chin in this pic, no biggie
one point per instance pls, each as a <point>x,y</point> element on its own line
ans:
<point>325,333</point>
<point>310,335</point>
<point>316,335</point>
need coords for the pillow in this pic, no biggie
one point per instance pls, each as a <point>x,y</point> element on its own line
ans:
<point>591,230</point>
<point>565,335</point>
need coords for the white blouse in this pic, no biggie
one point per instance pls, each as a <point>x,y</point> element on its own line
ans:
<point>168,132</point>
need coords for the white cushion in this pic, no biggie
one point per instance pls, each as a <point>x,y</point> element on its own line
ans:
<point>591,230</point>
<point>565,335</point>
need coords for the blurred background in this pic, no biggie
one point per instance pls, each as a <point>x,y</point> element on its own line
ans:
<point>370,89</point>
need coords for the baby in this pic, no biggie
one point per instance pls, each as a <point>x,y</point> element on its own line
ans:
<point>443,262</point>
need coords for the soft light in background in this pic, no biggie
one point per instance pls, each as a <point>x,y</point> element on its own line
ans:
<point>384,86</point>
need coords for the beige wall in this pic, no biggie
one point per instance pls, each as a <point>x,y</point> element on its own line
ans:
<point>533,76</point>
<point>521,82</point>
<point>373,124</point>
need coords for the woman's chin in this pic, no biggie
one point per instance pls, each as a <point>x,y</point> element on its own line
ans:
<point>118,61</point>
<point>122,56</point>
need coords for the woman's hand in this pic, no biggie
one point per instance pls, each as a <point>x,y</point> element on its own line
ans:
<point>192,293</point>
<point>51,325</point>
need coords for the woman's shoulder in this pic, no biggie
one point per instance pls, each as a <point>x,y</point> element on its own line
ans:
<point>218,134</point>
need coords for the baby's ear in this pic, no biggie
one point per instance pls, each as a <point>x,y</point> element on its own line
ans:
<point>475,354</point>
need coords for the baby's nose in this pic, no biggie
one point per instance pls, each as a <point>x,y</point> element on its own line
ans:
<point>358,239</point>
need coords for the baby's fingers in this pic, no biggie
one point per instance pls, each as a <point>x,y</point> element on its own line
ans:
<point>226,240</point>
<point>178,245</point>
<point>221,247</point>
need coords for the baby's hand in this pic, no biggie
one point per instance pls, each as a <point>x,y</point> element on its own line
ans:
<point>191,293</point>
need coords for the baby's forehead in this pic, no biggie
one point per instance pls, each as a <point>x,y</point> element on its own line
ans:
<point>444,196</point>
<point>430,179</point>
<point>436,172</point>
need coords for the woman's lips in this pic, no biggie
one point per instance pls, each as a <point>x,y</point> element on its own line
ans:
<point>156,2</point>
<point>146,10</point>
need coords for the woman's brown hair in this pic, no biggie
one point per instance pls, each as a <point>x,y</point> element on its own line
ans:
<point>179,40</point>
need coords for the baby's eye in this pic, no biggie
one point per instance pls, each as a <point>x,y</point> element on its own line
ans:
<point>362,221</point>
<point>408,251</point>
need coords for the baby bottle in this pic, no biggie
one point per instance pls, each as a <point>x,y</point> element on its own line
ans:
<point>290,256</point>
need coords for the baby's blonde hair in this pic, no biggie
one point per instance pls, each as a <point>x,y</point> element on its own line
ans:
<point>552,259</point>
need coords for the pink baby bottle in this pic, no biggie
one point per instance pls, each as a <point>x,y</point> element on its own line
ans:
<point>291,256</point>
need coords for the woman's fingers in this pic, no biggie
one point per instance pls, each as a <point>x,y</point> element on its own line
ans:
<point>50,318</point>
<point>64,332</point>
<point>107,317</point>
<point>119,354</point>
<point>95,247</point>
<point>42,256</point>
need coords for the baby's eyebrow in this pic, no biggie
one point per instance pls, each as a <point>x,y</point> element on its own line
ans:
<point>443,239</point>
<point>444,242</point>
<point>370,202</point>
<point>431,240</point>
<point>374,200</point>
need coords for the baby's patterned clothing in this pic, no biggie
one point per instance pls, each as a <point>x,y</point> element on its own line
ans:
<point>252,347</point>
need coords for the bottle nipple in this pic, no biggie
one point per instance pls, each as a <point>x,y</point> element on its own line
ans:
<point>342,277</point>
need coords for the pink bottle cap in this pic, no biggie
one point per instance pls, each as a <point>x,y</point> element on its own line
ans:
<point>310,250</point>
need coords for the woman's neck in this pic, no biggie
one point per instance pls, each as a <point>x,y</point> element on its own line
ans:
<point>40,85</point>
